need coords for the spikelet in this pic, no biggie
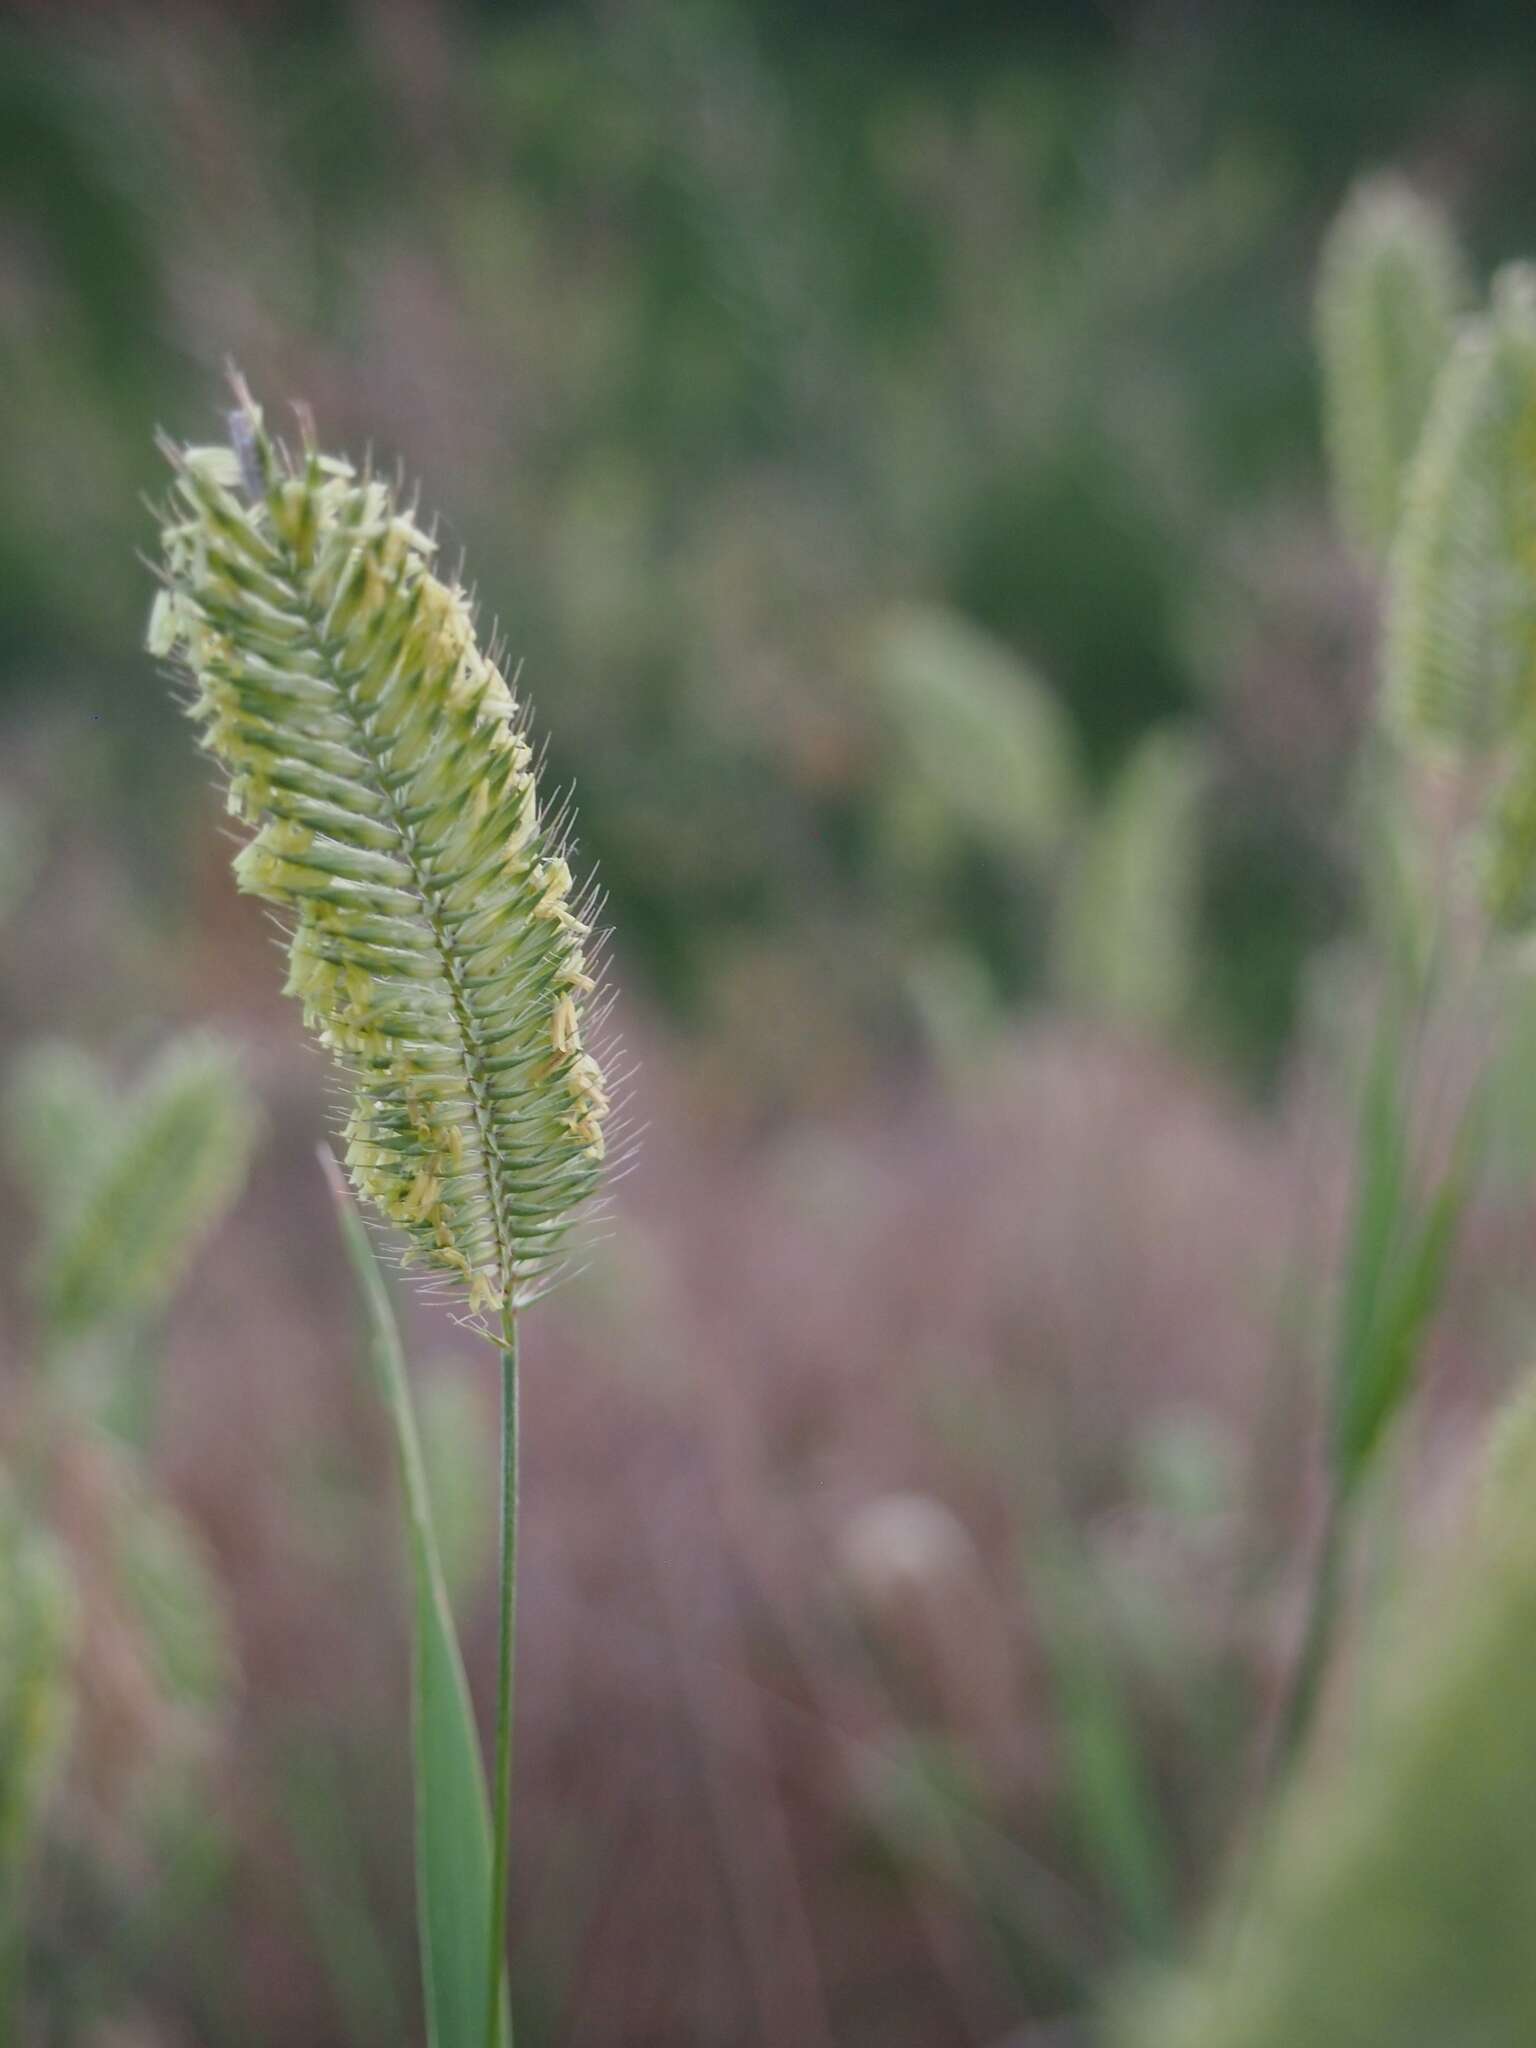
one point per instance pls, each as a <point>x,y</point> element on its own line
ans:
<point>436,945</point>
<point>1389,288</point>
<point>1461,624</point>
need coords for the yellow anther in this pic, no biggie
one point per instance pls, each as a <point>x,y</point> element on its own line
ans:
<point>564,1026</point>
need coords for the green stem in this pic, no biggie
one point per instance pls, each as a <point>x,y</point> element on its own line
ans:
<point>501,1795</point>
<point>1317,1641</point>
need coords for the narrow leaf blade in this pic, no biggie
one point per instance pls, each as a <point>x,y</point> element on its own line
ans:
<point>453,1825</point>
<point>1377,1221</point>
<point>1385,1373</point>
<point>1105,1768</point>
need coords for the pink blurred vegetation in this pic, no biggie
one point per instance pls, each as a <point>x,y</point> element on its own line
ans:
<point>936,1422</point>
<point>842,1403</point>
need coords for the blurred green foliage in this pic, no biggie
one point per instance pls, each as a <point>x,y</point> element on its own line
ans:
<point>1128,931</point>
<point>1383,1897</point>
<point>454,1855</point>
<point>117,1658</point>
<point>1394,1901</point>
<point>981,744</point>
<point>38,1622</point>
<point>731,327</point>
<point>128,1183</point>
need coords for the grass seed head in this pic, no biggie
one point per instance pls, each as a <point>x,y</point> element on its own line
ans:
<point>437,944</point>
<point>1391,287</point>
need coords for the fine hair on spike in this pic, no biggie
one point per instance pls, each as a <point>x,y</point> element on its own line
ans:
<point>380,765</point>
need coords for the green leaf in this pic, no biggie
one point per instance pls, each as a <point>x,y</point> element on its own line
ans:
<point>1106,1779</point>
<point>1402,865</point>
<point>1398,1261</point>
<point>1379,1200</point>
<point>453,1824</point>
<point>1384,1373</point>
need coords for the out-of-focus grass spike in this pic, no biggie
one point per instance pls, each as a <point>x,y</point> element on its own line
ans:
<point>982,738</point>
<point>149,1189</point>
<point>1461,621</point>
<point>62,1115</point>
<point>1390,287</point>
<point>168,1586</point>
<point>437,944</point>
<point>1127,934</point>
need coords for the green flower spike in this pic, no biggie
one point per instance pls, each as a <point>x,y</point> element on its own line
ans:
<point>1391,288</point>
<point>1461,602</point>
<point>1459,621</point>
<point>436,941</point>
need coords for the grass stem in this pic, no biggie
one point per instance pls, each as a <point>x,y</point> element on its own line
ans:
<point>501,1794</point>
<point>1301,1699</point>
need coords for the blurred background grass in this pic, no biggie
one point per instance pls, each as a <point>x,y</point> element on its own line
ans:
<point>888,438</point>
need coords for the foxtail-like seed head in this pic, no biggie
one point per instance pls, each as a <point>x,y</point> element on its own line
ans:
<point>1390,290</point>
<point>436,939</point>
<point>1460,644</point>
<point>1459,638</point>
